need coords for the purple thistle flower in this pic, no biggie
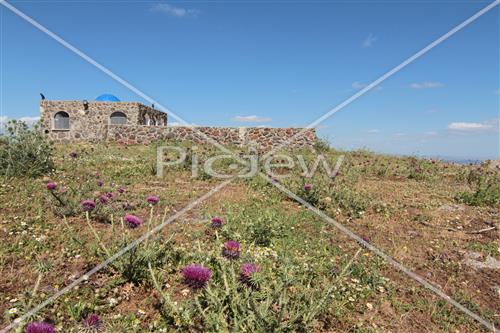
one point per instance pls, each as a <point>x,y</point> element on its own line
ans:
<point>132,221</point>
<point>196,276</point>
<point>51,186</point>
<point>121,189</point>
<point>307,187</point>
<point>73,154</point>
<point>40,327</point>
<point>109,194</point>
<point>153,199</point>
<point>100,183</point>
<point>88,205</point>
<point>103,199</point>
<point>231,249</point>
<point>92,323</point>
<point>217,222</point>
<point>247,270</point>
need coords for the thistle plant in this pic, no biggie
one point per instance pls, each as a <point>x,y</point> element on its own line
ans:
<point>247,273</point>
<point>88,206</point>
<point>92,324</point>
<point>132,221</point>
<point>196,276</point>
<point>152,201</point>
<point>40,327</point>
<point>231,249</point>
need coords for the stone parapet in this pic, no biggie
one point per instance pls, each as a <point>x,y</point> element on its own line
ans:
<point>263,138</point>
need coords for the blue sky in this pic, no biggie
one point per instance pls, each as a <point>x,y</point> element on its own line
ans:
<point>222,63</point>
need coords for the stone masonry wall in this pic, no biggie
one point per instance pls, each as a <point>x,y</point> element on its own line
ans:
<point>261,138</point>
<point>90,122</point>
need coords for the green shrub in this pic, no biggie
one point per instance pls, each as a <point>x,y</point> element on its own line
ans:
<point>25,151</point>
<point>264,229</point>
<point>133,265</point>
<point>487,190</point>
<point>421,170</point>
<point>322,145</point>
<point>351,202</point>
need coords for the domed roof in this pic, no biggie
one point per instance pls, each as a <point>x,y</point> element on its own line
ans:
<point>107,98</point>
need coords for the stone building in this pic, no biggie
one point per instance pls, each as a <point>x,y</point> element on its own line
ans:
<point>90,120</point>
<point>109,119</point>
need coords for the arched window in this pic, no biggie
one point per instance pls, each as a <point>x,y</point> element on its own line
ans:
<point>118,118</point>
<point>61,121</point>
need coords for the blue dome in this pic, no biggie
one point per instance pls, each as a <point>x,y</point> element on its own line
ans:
<point>107,98</point>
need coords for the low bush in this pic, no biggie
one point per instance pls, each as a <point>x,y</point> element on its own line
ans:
<point>486,189</point>
<point>351,202</point>
<point>25,152</point>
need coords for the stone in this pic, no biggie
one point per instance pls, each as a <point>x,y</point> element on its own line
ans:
<point>91,122</point>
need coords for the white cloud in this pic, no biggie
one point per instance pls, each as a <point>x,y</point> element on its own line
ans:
<point>430,133</point>
<point>399,134</point>
<point>359,85</point>
<point>432,111</point>
<point>497,92</point>
<point>251,119</point>
<point>368,42</point>
<point>28,120</point>
<point>426,85</point>
<point>177,124</point>
<point>174,11</point>
<point>373,130</point>
<point>491,125</point>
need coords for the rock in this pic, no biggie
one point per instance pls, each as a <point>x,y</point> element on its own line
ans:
<point>451,208</point>
<point>472,259</point>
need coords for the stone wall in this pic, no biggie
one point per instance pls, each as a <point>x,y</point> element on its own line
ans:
<point>262,138</point>
<point>89,121</point>
<point>266,138</point>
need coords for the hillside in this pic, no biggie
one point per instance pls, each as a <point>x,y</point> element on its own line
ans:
<point>289,270</point>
